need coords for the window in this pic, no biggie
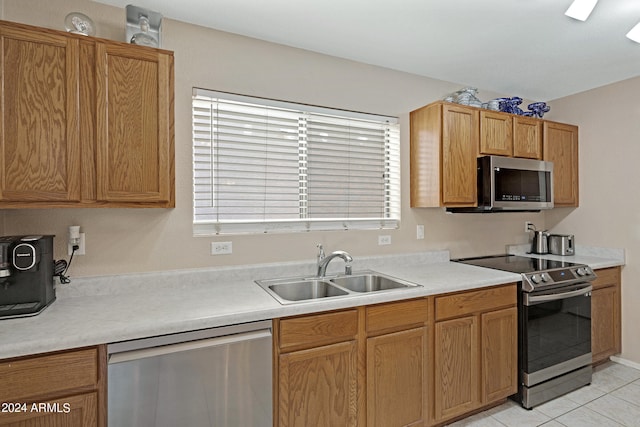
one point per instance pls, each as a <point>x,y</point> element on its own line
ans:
<point>268,166</point>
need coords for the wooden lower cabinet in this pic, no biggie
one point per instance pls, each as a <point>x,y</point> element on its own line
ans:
<point>475,350</point>
<point>63,389</point>
<point>419,362</point>
<point>74,411</point>
<point>500,354</point>
<point>317,377</point>
<point>397,363</point>
<point>396,374</point>
<point>457,369</point>
<point>319,386</point>
<point>365,366</point>
<point>605,314</point>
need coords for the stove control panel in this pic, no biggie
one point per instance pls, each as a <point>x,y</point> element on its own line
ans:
<point>557,277</point>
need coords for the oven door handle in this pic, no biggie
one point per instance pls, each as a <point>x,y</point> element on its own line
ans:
<point>535,299</point>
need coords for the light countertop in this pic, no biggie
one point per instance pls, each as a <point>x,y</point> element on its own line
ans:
<point>101,310</point>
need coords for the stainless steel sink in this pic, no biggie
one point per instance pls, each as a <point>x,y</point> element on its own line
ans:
<point>300,289</point>
<point>306,289</point>
<point>370,282</point>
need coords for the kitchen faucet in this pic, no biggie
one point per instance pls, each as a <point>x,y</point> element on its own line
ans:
<point>323,261</point>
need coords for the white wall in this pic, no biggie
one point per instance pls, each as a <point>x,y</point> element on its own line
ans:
<point>609,213</point>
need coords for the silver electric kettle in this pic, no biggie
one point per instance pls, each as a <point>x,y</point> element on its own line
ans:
<point>540,242</point>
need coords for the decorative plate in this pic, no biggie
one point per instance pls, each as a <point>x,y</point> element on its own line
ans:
<point>79,23</point>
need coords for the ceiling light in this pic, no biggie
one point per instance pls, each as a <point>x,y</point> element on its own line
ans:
<point>634,34</point>
<point>581,9</point>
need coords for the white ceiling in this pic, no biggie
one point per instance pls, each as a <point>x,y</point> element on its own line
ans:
<point>527,48</point>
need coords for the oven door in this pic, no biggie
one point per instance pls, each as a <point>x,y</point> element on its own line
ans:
<point>555,331</point>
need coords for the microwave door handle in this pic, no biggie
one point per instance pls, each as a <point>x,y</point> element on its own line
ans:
<point>536,299</point>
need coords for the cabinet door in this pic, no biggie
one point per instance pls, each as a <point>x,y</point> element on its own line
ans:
<point>560,146</point>
<point>319,386</point>
<point>73,411</point>
<point>39,144</point>
<point>460,134</point>
<point>496,135</point>
<point>499,354</point>
<point>527,138</point>
<point>396,383</point>
<point>456,359</point>
<point>134,124</point>
<point>606,322</point>
<point>603,342</point>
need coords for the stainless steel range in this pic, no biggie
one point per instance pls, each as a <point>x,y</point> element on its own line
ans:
<point>554,324</point>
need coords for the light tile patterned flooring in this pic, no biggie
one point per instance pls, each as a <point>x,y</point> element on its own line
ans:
<point>612,400</point>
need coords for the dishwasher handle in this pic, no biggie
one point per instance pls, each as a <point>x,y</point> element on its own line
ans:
<point>143,353</point>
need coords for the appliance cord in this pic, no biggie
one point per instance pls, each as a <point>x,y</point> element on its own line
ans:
<point>60,267</point>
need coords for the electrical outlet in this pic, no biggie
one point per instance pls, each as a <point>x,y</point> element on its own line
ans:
<point>221,248</point>
<point>384,240</point>
<point>528,226</point>
<point>81,247</point>
<point>420,232</point>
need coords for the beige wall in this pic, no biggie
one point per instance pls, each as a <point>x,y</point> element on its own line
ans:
<point>128,240</point>
<point>609,213</point>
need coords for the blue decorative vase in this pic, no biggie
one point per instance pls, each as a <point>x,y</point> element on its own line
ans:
<point>510,105</point>
<point>539,108</point>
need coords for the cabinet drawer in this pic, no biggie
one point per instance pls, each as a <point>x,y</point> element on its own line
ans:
<point>397,315</point>
<point>465,303</point>
<point>606,277</point>
<point>325,328</point>
<point>47,375</point>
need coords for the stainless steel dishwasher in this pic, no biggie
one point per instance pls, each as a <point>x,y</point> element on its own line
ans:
<point>215,377</point>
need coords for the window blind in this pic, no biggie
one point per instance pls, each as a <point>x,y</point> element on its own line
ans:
<point>268,166</point>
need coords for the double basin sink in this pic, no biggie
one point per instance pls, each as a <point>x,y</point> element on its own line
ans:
<point>295,290</point>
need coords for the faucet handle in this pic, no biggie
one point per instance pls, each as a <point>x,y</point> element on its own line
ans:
<point>320,252</point>
<point>347,270</point>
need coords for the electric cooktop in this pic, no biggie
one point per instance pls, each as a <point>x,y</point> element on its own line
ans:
<point>536,273</point>
<point>515,263</point>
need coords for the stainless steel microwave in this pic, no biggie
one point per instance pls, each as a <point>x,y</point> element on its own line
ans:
<point>511,184</point>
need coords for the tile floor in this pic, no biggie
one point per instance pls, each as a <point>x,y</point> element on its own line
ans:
<point>612,400</point>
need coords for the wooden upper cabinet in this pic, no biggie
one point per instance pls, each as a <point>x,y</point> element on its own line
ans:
<point>509,135</point>
<point>39,143</point>
<point>459,153</point>
<point>444,148</point>
<point>560,146</point>
<point>84,122</point>
<point>446,140</point>
<point>134,121</point>
<point>527,137</point>
<point>496,133</point>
